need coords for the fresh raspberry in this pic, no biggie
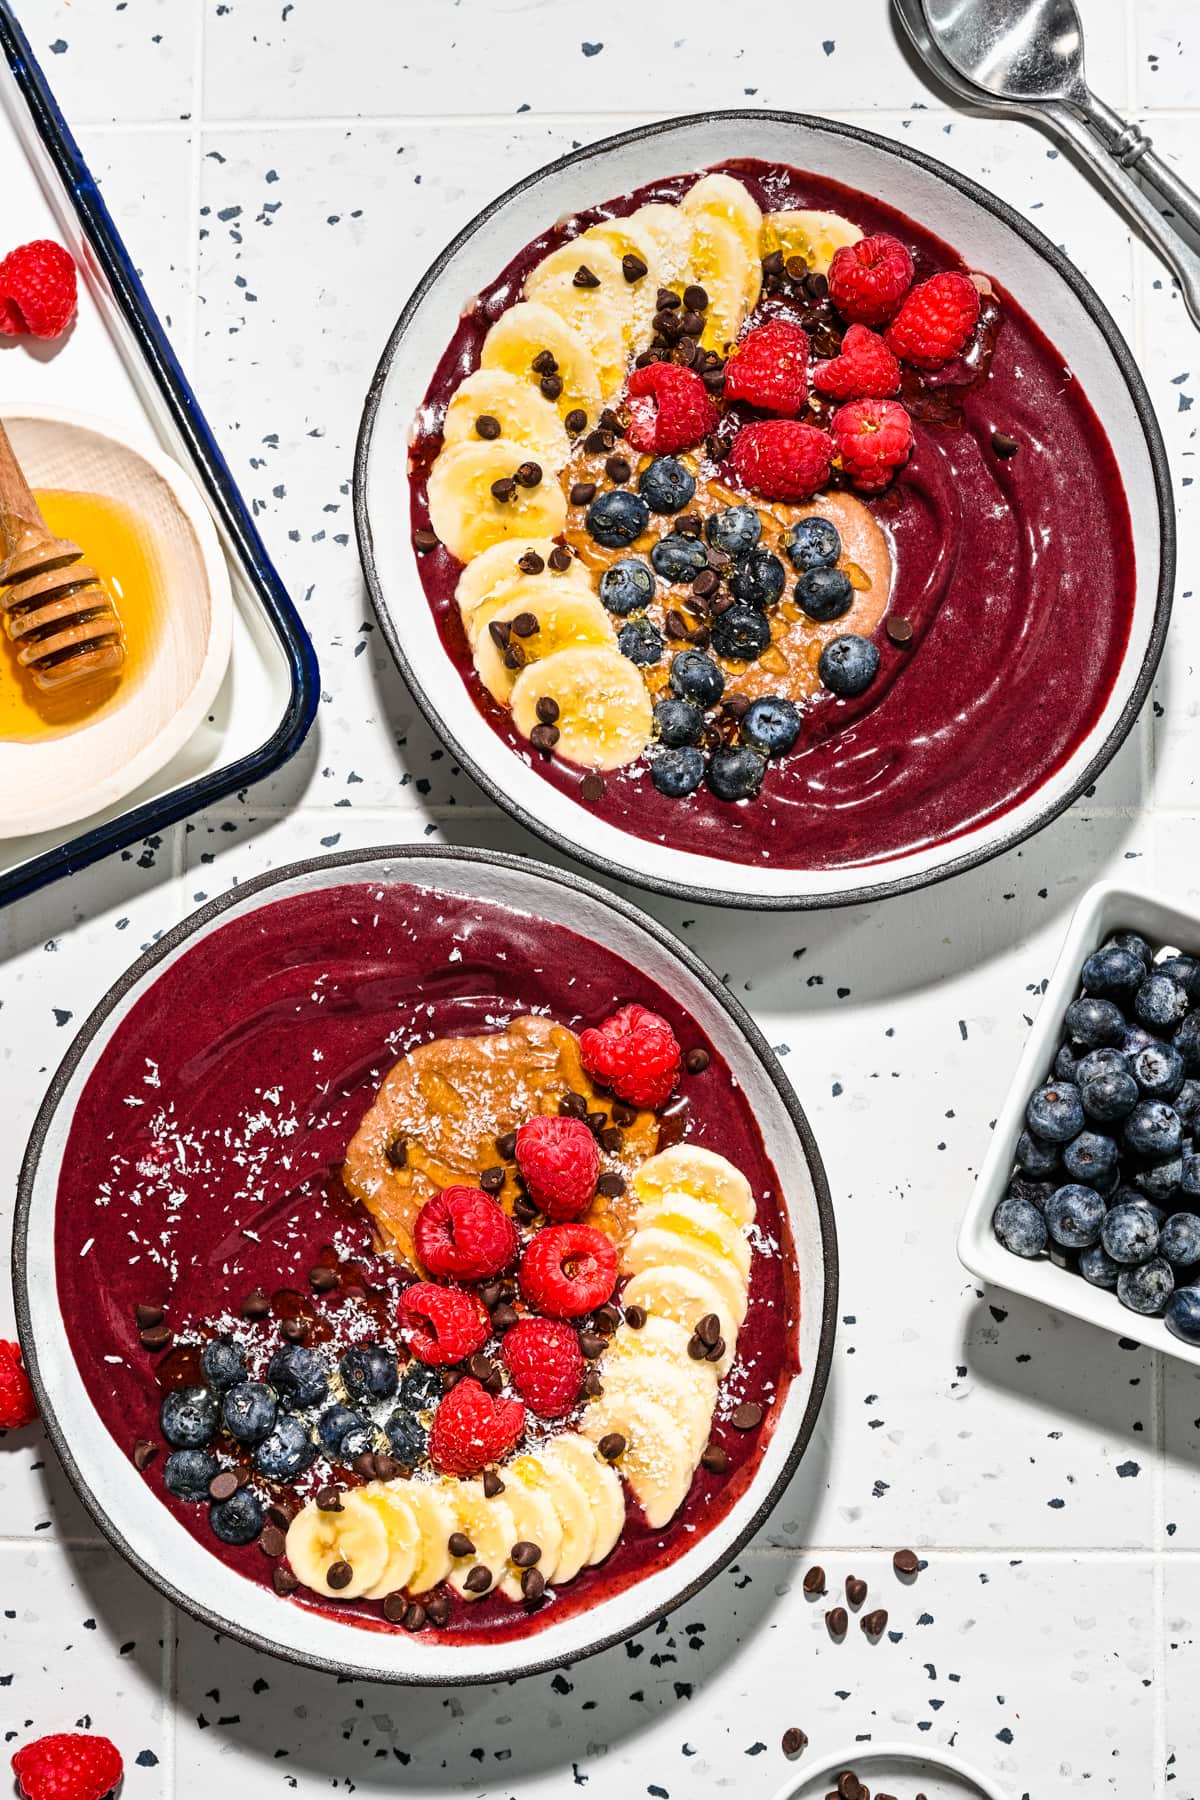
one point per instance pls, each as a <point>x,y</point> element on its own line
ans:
<point>865,369</point>
<point>874,439</point>
<point>68,1765</point>
<point>567,1270</point>
<point>559,1162</point>
<point>546,1364</point>
<point>472,1428</point>
<point>868,280</point>
<point>635,1053</point>
<point>669,409</point>
<point>37,290</point>
<point>446,1323</point>
<point>769,368</point>
<point>17,1404</point>
<point>781,459</point>
<point>935,321</point>
<point>464,1233</point>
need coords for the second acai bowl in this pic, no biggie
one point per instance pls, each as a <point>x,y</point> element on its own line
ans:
<point>718,504</point>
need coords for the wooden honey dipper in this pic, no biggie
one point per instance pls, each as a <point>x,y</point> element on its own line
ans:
<point>56,609</point>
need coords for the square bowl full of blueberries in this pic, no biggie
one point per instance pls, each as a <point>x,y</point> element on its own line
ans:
<point>1089,1196</point>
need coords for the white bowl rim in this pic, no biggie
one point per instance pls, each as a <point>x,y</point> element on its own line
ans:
<point>863,891</point>
<point>891,1750</point>
<point>409,858</point>
<point>176,731</point>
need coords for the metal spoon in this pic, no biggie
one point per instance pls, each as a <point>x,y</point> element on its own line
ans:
<point>1178,255</point>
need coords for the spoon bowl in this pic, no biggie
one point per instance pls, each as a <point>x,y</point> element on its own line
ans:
<point>1013,49</point>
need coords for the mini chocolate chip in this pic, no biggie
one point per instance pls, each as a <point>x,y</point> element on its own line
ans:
<point>856,1590</point>
<point>480,1366</point>
<point>295,1330</point>
<point>281,1512</point>
<point>559,559</point>
<point>875,1623</point>
<point>684,352</point>
<point>425,540</point>
<point>849,1787</point>
<point>584,278</point>
<point>714,380</point>
<point>437,1609</point>
<point>622,1114</point>
<point>551,386</point>
<point>545,363</point>
<point>530,563</point>
<point>691,524</point>
<point>529,475</point>
<point>573,1105</point>
<point>794,1741</point>
<point>612,1139</point>
<point>459,1544</point>
<point>716,1351</point>
<point>617,469</point>
<point>591,1344</point>
<point>492,1484</point>
<point>544,738</point>
<point>701,637</point>
<point>837,1620</point>
<point>506,1144</point>
<point>666,301</point>
<point>635,1317</point>
<point>899,630</point>
<point>533,1584</point>
<point>478,1580</point>
<point>329,1499</point>
<point>504,489</point>
<point>715,1460</point>
<point>157,1337</point>
<point>632,267</point>
<point>386,1467</point>
<point>737,706</point>
<point>593,1387</point>
<point>747,1417</point>
<point>524,1210</point>
<point>714,449</point>
<point>526,1554</point>
<point>547,710</point>
<point>339,1575</point>
<point>364,1465</point>
<point>598,443</point>
<point>504,1317</point>
<point>592,788</point>
<point>611,1185</point>
<point>492,1180</point>
<point>606,1318</point>
<point>144,1453</point>
<point>283,1581</point>
<point>576,421</point>
<point>397,1152</point>
<point>611,1446</point>
<point>773,263</point>
<point>696,1060</point>
<point>796,267</point>
<point>147,1317</point>
<point>906,1562</point>
<point>697,1349</point>
<point>322,1278</point>
<point>224,1485</point>
<point>1003,445</point>
<point>583,493</point>
<point>676,625</point>
<point>814,1580</point>
<point>708,1329</point>
<point>514,656</point>
<point>707,582</point>
<point>415,1616</point>
<point>525,625</point>
<point>695,299</point>
<point>271,1542</point>
<point>394,1608</point>
<point>487,427</point>
<point>596,1122</point>
<point>490,1294</point>
<point>816,285</point>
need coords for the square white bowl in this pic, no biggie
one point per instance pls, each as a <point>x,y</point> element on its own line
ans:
<point>1104,909</point>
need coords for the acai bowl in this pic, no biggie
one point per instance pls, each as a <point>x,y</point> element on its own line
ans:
<point>712,566</point>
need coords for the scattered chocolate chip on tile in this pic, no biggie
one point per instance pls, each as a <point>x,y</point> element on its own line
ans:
<point>814,1580</point>
<point>856,1590</point>
<point>906,1562</point>
<point>874,1624</point>
<point>838,1621</point>
<point>794,1741</point>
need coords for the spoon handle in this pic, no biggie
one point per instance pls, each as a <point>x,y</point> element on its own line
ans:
<point>1131,147</point>
<point>1175,252</point>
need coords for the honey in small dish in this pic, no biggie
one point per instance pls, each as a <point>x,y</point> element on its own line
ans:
<point>118,547</point>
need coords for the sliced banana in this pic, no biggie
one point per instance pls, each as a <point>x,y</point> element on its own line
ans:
<point>687,1397</point>
<point>535,1521</point>
<point>524,415</point>
<point>671,231</point>
<point>656,1461</point>
<point>496,569</point>
<point>591,314</point>
<point>690,1169</point>
<point>558,270</point>
<point>355,1536</point>
<point>403,1535</point>
<point>523,332</point>
<point>625,238</point>
<point>655,1248</point>
<point>681,1293</point>
<point>660,1337</point>
<point>467,515</point>
<point>489,1525</point>
<point>604,712</point>
<point>718,261</point>
<point>816,236</point>
<point>566,615</point>
<point>569,1498</point>
<point>436,1519</point>
<point>599,1481</point>
<point>727,198</point>
<point>702,1221</point>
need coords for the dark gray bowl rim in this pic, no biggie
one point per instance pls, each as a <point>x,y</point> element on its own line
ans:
<point>415,855</point>
<point>866,891</point>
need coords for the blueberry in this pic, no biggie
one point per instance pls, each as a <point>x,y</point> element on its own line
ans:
<point>1147,1288</point>
<point>1098,1267</point>
<point>1135,1039</point>
<point>735,774</point>
<point>678,721</point>
<point>1074,1215</point>
<point>1158,1070</point>
<point>188,1418</point>
<point>1129,1233</point>
<point>1020,1227</point>
<point>1187,1043</point>
<point>187,1473</point>
<point>1020,1187</point>
<point>677,773</point>
<point>299,1375</point>
<point>1113,972</point>
<point>678,558</point>
<point>1183,969</point>
<point>1036,1157</point>
<point>1153,1129</point>
<point>640,641</point>
<point>1160,1181</point>
<point>287,1452</point>
<point>249,1411</point>
<point>1179,1240</point>
<point>757,579</point>
<point>665,485</point>
<point>357,1442</point>
<point>1135,944</point>
<point>1098,1062</point>
<point>1160,1003</point>
<point>1066,1063</point>
<point>407,1437</point>
<point>813,544</point>
<point>627,586</point>
<point>1187,1104</point>
<point>771,725</point>
<point>824,594</point>
<point>1055,1113</point>
<point>695,676</point>
<point>336,1423</point>
<point>223,1363</point>
<point>848,665</point>
<point>421,1388</point>
<point>1110,1096</point>
<point>1189,1178</point>
<point>736,530</point>
<point>369,1372</point>
<point>741,633</point>
<point>1090,1157</point>
<point>616,518</point>
<point>239,1519</point>
<point>1183,1314</point>
<point>1094,1022</point>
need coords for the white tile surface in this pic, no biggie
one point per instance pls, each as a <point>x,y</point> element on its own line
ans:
<point>283,173</point>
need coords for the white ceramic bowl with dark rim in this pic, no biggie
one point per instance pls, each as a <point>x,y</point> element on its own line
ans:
<point>989,235</point>
<point>135,1519</point>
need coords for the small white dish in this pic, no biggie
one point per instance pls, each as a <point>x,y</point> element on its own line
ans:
<point>1104,909</point>
<point>55,780</point>
<point>899,1769</point>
